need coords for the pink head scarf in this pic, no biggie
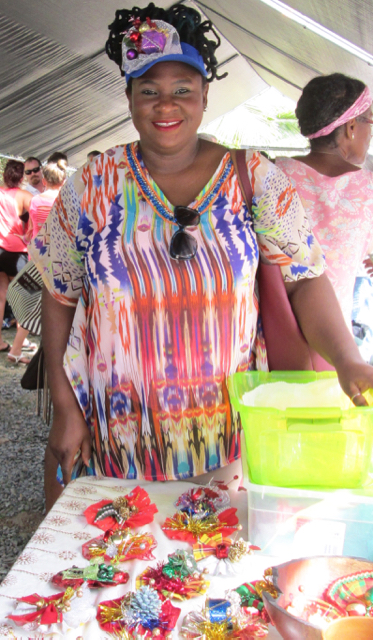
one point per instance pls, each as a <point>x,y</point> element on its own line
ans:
<point>360,105</point>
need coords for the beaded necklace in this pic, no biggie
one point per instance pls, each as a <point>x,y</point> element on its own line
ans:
<point>154,199</point>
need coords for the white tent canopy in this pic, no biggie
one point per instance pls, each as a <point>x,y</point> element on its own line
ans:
<point>59,91</point>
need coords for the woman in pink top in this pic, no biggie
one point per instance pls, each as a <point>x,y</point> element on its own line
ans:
<point>54,175</point>
<point>335,113</point>
<point>14,203</point>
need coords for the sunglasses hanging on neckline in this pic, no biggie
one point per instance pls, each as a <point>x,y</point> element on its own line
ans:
<point>183,246</point>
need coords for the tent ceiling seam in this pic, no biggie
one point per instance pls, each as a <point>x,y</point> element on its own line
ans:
<point>256,37</point>
<point>228,60</point>
<point>277,75</point>
<point>104,132</point>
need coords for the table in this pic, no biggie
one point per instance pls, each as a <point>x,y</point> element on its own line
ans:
<point>57,543</point>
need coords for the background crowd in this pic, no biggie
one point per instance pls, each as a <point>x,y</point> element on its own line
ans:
<point>27,194</point>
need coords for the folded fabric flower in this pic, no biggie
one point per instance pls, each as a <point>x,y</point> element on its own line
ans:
<point>95,575</point>
<point>203,502</point>
<point>183,526</point>
<point>132,510</point>
<point>143,613</point>
<point>352,594</point>
<point>221,556</point>
<point>178,578</point>
<point>222,618</point>
<point>57,613</point>
<point>120,545</point>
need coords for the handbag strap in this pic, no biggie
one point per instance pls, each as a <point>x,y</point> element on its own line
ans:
<point>239,162</point>
<point>287,349</point>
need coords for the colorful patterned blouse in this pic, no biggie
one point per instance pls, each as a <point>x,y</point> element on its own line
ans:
<point>154,339</point>
<point>341,213</point>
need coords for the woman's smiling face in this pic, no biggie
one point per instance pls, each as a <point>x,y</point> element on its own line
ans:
<point>167,104</point>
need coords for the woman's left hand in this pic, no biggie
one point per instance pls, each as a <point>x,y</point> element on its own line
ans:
<point>355,377</point>
<point>320,318</point>
<point>368,264</point>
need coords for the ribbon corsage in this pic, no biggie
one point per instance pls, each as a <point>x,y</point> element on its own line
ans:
<point>95,575</point>
<point>132,510</point>
<point>221,556</point>
<point>57,613</point>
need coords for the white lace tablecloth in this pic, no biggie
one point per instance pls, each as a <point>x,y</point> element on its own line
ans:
<point>57,543</point>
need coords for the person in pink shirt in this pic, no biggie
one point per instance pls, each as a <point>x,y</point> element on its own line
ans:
<point>14,204</point>
<point>54,175</point>
<point>335,113</point>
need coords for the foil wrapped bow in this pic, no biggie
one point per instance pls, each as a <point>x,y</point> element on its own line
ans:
<point>140,613</point>
<point>202,502</point>
<point>250,593</point>
<point>188,528</point>
<point>120,545</point>
<point>222,618</point>
<point>178,578</point>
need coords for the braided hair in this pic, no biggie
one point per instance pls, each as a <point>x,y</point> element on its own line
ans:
<point>185,20</point>
<point>323,100</point>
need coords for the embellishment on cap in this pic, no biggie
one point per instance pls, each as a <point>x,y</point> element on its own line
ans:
<point>147,42</point>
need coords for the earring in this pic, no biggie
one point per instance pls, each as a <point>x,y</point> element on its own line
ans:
<point>205,108</point>
<point>353,136</point>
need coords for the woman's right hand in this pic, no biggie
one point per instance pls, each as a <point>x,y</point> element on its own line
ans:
<point>69,434</point>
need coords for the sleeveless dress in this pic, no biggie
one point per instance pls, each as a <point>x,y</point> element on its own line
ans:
<point>40,208</point>
<point>11,227</point>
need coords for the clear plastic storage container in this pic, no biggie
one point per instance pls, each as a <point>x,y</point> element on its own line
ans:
<point>295,523</point>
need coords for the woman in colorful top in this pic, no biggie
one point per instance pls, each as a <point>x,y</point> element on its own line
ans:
<point>14,203</point>
<point>54,175</point>
<point>157,313</point>
<point>335,113</point>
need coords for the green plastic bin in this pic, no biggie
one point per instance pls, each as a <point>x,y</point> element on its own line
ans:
<point>303,447</point>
